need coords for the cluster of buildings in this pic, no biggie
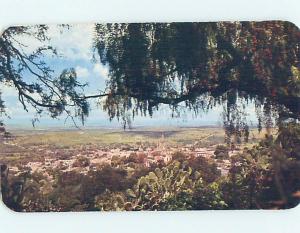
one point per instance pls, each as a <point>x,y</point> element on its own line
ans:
<point>162,152</point>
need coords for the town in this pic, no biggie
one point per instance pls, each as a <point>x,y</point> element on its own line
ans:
<point>84,158</point>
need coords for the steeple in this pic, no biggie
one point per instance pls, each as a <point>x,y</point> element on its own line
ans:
<point>161,142</point>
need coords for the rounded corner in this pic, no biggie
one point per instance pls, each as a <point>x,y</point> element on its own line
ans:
<point>4,29</point>
<point>4,205</point>
<point>294,206</point>
<point>291,24</point>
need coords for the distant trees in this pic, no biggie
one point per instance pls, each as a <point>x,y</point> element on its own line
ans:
<point>221,152</point>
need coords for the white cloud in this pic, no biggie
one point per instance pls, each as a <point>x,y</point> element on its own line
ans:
<point>7,91</point>
<point>74,43</point>
<point>101,70</point>
<point>82,72</point>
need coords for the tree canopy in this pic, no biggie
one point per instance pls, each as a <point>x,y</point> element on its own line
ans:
<point>189,62</point>
<point>182,65</point>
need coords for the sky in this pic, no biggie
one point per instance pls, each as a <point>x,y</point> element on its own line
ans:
<point>75,49</point>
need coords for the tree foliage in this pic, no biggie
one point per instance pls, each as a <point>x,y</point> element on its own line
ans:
<point>201,64</point>
<point>43,89</point>
<point>190,65</point>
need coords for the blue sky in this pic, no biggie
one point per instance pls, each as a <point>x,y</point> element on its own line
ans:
<point>75,47</point>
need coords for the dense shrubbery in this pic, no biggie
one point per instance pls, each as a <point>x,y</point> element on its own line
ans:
<point>113,187</point>
<point>267,175</point>
<point>174,187</point>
